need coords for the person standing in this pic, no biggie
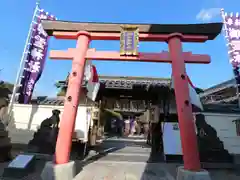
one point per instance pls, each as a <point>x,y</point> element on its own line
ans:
<point>113,125</point>
<point>132,126</point>
<point>145,123</point>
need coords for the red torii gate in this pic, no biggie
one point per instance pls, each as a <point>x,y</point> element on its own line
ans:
<point>174,35</point>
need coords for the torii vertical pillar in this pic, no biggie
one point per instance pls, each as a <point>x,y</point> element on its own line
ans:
<point>192,168</point>
<point>72,100</point>
<point>62,168</point>
<point>184,108</point>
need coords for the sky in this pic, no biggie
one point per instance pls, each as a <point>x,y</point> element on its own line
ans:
<point>17,14</point>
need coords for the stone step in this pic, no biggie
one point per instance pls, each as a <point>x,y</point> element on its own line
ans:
<point>125,158</point>
<point>131,156</point>
<point>126,139</point>
<point>134,149</point>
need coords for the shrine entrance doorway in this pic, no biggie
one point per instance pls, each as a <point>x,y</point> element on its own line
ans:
<point>129,35</point>
<point>129,98</point>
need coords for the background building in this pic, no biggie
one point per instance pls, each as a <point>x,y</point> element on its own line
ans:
<point>223,93</point>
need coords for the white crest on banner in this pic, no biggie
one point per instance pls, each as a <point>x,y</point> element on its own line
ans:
<point>87,71</point>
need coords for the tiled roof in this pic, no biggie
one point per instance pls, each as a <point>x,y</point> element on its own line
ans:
<point>218,87</point>
<point>55,102</point>
<point>136,80</point>
<point>212,108</point>
<point>221,100</point>
<point>131,79</point>
<point>59,101</point>
<point>222,108</point>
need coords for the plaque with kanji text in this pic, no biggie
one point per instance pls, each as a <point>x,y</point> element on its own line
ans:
<point>129,40</point>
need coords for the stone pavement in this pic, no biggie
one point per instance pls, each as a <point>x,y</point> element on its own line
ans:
<point>126,159</point>
<point>122,159</point>
<point>114,170</point>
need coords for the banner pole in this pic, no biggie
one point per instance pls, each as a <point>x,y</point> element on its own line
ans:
<point>25,51</point>
<point>228,43</point>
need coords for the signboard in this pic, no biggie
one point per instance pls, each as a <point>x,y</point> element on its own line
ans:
<point>118,84</point>
<point>171,139</point>
<point>121,83</point>
<point>129,40</point>
<point>223,124</point>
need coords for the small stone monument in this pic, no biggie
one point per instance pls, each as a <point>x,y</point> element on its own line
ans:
<point>20,167</point>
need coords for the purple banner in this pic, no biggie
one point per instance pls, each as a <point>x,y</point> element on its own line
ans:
<point>35,59</point>
<point>232,23</point>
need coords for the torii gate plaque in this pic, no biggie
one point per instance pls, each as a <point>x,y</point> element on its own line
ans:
<point>174,35</point>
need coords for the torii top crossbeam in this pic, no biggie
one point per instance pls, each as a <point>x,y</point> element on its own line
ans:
<point>174,35</point>
<point>147,32</point>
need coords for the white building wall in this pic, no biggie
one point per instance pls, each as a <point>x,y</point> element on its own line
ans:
<point>226,130</point>
<point>224,125</point>
<point>27,119</point>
